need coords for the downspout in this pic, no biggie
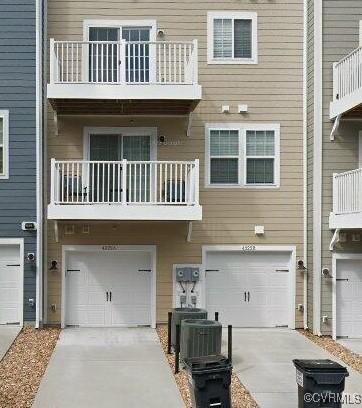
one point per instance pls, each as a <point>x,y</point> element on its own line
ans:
<point>305,163</point>
<point>317,164</point>
<point>39,162</point>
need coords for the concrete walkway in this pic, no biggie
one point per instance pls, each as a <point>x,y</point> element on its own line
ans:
<point>7,336</point>
<point>104,368</point>
<point>262,359</point>
<point>354,345</point>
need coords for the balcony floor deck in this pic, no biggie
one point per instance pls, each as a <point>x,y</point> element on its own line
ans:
<point>114,212</point>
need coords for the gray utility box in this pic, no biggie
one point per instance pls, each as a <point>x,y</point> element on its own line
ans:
<point>200,338</point>
<point>182,313</point>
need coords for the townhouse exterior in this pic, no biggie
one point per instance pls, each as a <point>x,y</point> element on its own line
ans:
<point>334,161</point>
<point>20,209</point>
<point>174,161</point>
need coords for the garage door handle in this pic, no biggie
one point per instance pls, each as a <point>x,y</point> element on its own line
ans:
<point>107,296</point>
<point>244,296</point>
<point>110,296</point>
<point>248,296</point>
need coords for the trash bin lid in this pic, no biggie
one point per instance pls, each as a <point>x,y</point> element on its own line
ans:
<point>207,363</point>
<point>319,365</point>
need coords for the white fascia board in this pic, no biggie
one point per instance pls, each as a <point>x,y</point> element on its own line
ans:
<point>345,104</point>
<point>345,221</point>
<point>127,213</point>
<point>120,92</point>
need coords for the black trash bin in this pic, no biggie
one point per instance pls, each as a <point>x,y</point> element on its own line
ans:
<point>209,381</point>
<point>320,383</point>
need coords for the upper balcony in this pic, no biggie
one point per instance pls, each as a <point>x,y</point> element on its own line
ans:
<point>347,200</point>
<point>125,190</point>
<point>347,86</point>
<point>123,78</point>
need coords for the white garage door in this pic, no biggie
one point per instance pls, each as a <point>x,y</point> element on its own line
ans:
<point>349,298</point>
<point>249,289</point>
<point>10,285</point>
<point>108,289</point>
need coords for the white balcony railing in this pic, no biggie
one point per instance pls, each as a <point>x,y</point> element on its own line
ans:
<point>347,192</point>
<point>125,183</point>
<point>110,62</point>
<point>347,83</point>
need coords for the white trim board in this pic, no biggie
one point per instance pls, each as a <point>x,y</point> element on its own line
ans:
<point>305,162</point>
<point>317,164</point>
<point>258,248</point>
<point>19,242</point>
<point>4,115</point>
<point>152,249</point>
<point>335,258</point>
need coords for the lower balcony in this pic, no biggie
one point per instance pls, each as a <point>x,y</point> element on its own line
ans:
<point>347,200</point>
<point>125,190</point>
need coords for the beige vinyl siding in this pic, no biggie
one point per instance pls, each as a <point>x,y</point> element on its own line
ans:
<point>310,137</point>
<point>340,36</point>
<point>273,91</point>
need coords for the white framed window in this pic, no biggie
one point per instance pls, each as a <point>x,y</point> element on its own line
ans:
<point>242,155</point>
<point>4,144</point>
<point>232,37</point>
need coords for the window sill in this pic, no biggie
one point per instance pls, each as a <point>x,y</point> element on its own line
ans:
<point>248,61</point>
<point>245,186</point>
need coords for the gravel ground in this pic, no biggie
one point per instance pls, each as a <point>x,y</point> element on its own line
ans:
<point>24,365</point>
<point>326,342</point>
<point>241,398</point>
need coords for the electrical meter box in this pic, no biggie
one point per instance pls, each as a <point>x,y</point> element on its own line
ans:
<point>187,274</point>
<point>195,274</point>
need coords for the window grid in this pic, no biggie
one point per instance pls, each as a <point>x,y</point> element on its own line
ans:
<point>260,142</point>
<point>225,156</point>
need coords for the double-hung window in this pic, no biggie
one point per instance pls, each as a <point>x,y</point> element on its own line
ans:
<point>242,155</point>
<point>232,37</point>
<point>4,144</point>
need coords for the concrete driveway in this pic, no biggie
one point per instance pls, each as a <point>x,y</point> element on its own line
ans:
<point>7,336</point>
<point>108,368</point>
<point>262,360</point>
<point>354,345</point>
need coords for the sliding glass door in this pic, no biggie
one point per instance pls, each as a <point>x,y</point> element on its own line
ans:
<point>106,173</point>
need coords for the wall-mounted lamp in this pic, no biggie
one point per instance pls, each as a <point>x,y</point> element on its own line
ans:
<point>326,273</point>
<point>161,33</point>
<point>53,266</point>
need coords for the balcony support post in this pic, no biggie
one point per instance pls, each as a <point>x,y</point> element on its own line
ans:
<point>189,231</point>
<point>335,127</point>
<point>55,120</point>
<point>56,231</point>
<point>335,239</point>
<point>189,124</point>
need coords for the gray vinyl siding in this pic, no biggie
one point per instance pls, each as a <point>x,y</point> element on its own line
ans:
<point>310,129</point>
<point>340,36</point>
<point>17,95</point>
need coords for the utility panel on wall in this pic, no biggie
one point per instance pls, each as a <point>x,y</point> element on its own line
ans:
<point>186,285</point>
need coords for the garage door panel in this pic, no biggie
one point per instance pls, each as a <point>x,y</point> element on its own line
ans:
<point>10,284</point>
<point>255,273</point>
<point>349,298</point>
<point>113,272</point>
<point>215,298</point>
